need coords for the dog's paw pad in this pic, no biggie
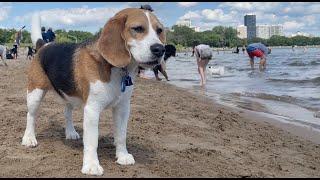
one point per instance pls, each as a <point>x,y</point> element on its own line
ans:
<point>29,141</point>
<point>92,169</point>
<point>72,135</point>
<point>125,159</point>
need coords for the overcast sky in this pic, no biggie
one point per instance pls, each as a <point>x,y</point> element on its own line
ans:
<point>87,16</point>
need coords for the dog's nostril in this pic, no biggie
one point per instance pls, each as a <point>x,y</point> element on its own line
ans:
<point>157,49</point>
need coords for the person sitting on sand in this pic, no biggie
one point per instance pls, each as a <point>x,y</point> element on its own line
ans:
<point>258,50</point>
<point>203,55</point>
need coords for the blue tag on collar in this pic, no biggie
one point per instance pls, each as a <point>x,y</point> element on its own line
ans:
<point>125,81</point>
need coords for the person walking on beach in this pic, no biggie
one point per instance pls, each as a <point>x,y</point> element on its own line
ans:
<point>258,50</point>
<point>203,55</point>
<point>18,37</point>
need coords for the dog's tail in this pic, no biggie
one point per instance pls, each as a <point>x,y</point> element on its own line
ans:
<point>36,36</point>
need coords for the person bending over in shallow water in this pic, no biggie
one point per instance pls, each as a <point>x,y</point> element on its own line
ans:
<point>203,55</point>
<point>258,50</point>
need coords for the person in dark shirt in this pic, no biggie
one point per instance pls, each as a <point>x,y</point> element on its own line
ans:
<point>50,35</point>
<point>44,35</point>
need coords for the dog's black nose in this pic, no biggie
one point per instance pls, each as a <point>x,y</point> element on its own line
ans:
<point>157,50</point>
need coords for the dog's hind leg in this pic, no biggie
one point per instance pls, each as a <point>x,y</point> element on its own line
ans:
<point>34,99</point>
<point>71,133</point>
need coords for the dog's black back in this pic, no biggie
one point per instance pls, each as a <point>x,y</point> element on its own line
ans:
<point>56,61</point>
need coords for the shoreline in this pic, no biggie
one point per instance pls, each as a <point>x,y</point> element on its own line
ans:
<point>308,133</point>
<point>171,133</point>
<point>189,49</point>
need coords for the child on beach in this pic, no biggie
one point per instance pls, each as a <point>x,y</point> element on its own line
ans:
<point>258,50</point>
<point>203,55</point>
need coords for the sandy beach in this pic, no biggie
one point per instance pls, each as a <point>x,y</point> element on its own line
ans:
<point>171,133</point>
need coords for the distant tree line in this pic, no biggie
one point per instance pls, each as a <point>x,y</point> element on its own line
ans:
<point>8,36</point>
<point>221,36</point>
<point>181,36</point>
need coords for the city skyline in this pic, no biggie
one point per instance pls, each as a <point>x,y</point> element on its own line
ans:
<point>90,16</point>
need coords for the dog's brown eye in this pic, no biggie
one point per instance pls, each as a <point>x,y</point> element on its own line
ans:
<point>138,29</point>
<point>159,31</point>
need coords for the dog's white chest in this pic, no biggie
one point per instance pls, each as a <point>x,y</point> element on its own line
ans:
<point>108,94</point>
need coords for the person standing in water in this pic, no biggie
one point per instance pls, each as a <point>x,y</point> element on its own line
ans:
<point>203,55</point>
<point>258,50</point>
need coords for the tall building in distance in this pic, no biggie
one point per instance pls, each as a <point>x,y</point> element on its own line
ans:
<point>250,22</point>
<point>242,32</point>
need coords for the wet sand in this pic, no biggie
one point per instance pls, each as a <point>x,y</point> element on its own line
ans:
<point>171,133</point>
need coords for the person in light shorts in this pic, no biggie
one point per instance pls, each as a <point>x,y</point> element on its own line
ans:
<point>203,55</point>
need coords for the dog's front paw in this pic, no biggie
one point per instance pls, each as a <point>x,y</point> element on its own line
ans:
<point>29,141</point>
<point>72,135</point>
<point>92,169</point>
<point>125,159</point>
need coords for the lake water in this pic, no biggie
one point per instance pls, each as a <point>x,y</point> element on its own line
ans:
<point>288,89</point>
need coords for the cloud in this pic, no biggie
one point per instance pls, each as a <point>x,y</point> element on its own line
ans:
<point>4,11</point>
<point>292,25</point>
<point>73,17</point>
<point>208,18</point>
<point>219,16</point>
<point>187,4</point>
<point>302,7</point>
<point>191,15</point>
<point>252,6</point>
<point>310,19</point>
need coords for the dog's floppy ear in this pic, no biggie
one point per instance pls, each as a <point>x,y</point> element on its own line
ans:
<point>111,44</point>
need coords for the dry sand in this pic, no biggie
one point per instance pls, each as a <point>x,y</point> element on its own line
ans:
<point>171,133</point>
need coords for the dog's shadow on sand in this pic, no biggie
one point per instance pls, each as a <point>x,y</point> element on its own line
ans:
<point>106,150</point>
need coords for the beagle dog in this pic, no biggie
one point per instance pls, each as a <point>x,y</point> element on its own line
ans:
<point>91,74</point>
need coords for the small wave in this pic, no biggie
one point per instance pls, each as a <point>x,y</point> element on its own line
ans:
<point>297,63</point>
<point>243,69</point>
<point>303,81</point>
<point>306,103</point>
<point>284,74</point>
<point>314,62</point>
<point>300,63</point>
<point>185,79</point>
<point>284,98</point>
